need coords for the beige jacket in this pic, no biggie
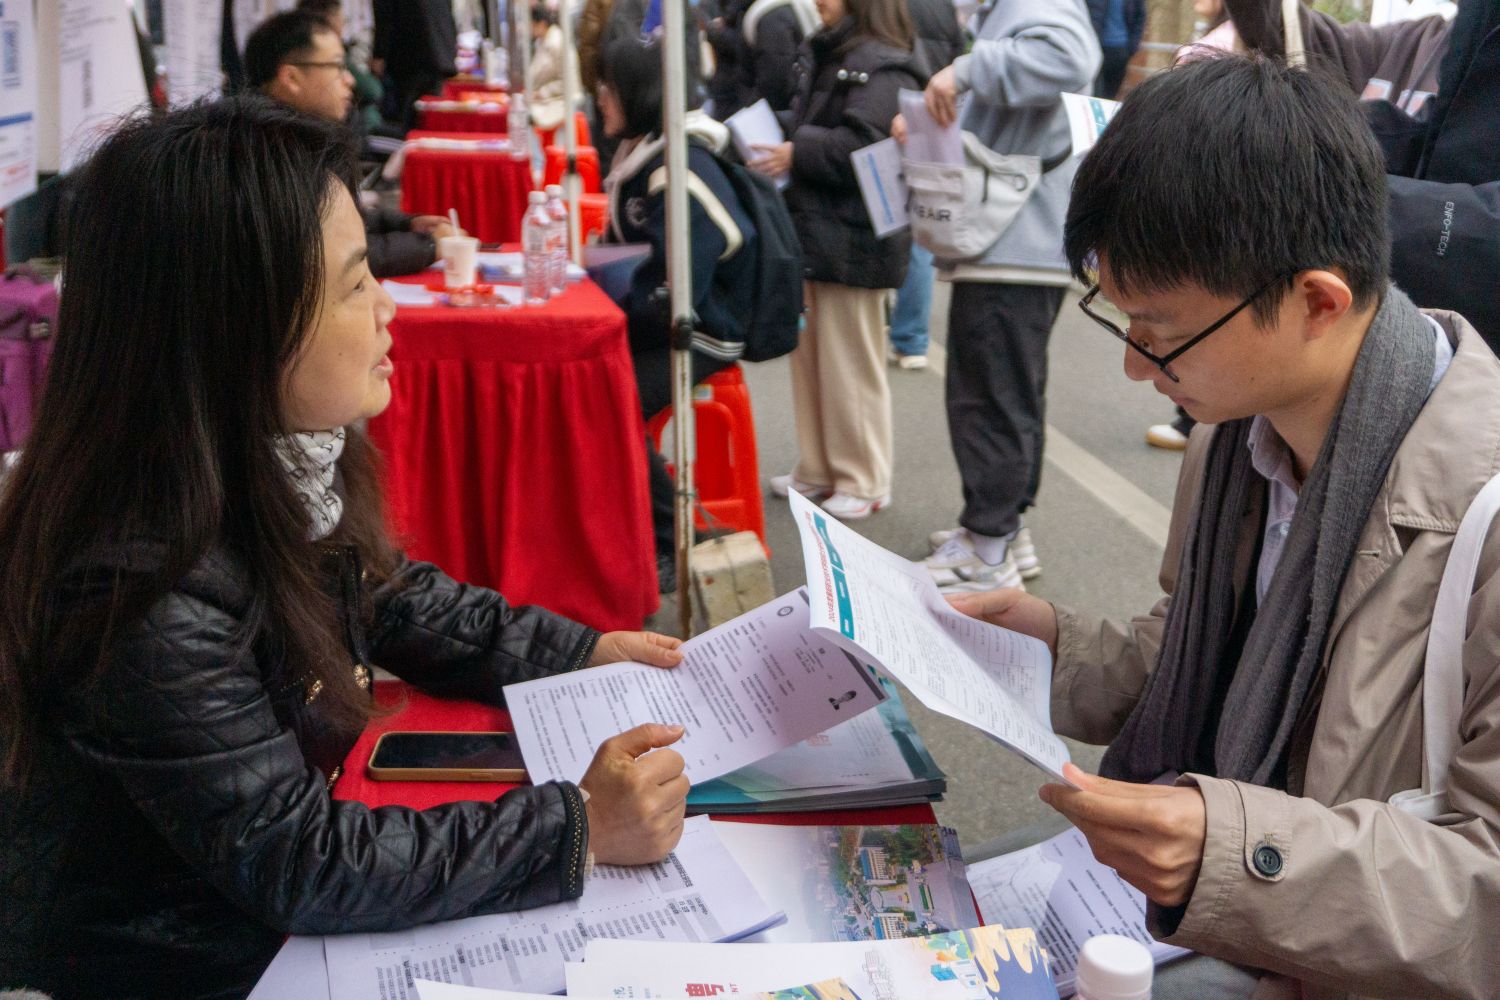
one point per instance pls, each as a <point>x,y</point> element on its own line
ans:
<point>1369,901</point>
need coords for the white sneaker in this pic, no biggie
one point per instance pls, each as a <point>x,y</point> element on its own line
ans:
<point>848,507</point>
<point>911,362</point>
<point>1020,549</point>
<point>782,485</point>
<point>1166,436</point>
<point>956,568</point>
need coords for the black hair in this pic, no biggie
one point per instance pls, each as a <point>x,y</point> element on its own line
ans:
<point>278,39</point>
<point>1226,173</point>
<point>323,9</point>
<point>631,67</point>
<point>541,13</point>
<point>194,274</point>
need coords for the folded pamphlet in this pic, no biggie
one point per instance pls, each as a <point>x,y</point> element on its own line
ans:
<point>1058,888</point>
<point>984,963</point>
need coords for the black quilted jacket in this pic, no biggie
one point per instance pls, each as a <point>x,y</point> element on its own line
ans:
<point>846,98</point>
<point>180,822</point>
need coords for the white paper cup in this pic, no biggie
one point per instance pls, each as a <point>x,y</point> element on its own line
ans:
<point>460,260</point>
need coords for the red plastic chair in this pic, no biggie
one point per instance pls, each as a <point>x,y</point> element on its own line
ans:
<point>588,167</point>
<point>727,469</point>
<point>593,215</point>
<point>553,137</point>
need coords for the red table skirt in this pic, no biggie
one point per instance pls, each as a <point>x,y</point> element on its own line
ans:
<point>423,712</point>
<point>487,187</point>
<point>442,120</point>
<point>515,453</point>
<point>454,89</point>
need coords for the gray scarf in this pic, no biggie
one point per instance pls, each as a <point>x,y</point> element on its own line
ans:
<point>310,459</point>
<point>1248,704</point>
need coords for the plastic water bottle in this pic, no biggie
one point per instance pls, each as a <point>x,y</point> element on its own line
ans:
<point>518,125</point>
<point>536,251</point>
<point>1114,967</point>
<point>557,209</point>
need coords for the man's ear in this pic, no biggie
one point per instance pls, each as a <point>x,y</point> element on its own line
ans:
<point>1323,300</point>
<point>287,83</point>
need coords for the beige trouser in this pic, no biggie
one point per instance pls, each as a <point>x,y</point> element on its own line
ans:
<point>840,394</point>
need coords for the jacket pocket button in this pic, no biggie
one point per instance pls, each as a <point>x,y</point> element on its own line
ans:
<point>1267,860</point>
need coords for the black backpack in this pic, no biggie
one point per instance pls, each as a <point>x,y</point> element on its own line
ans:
<point>776,317</point>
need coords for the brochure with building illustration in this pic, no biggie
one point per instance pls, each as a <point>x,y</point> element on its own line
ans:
<point>984,963</point>
<point>886,609</point>
<point>854,883</point>
<point>831,989</point>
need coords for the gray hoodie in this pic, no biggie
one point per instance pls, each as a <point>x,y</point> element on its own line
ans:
<point>1026,53</point>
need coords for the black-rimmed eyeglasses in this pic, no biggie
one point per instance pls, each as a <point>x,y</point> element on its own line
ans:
<point>1163,361</point>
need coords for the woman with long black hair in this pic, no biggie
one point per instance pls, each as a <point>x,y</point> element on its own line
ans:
<point>197,580</point>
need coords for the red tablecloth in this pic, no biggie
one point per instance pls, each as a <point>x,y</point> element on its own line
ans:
<point>454,89</point>
<point>423,712</point>
<point>487,186</point>
<point>466,120</point>
<point>515,453</point>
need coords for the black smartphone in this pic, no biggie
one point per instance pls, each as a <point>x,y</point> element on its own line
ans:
<point>490,756</point>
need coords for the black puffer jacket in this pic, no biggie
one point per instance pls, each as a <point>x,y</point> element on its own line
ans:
<point>745,73</point>
<point>846,99</point>
<point>179,821</point>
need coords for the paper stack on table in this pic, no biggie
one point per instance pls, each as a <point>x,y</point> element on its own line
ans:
<point>886,609</point>
<point>1058,888</point>
<point>986,963</point>
<point>697,894</point>
<point>874,760</point>
<point>854,883</point>
<point>832,989</point>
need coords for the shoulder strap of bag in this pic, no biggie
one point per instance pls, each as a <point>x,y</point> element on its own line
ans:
<point>803,10</point>
<point>1443,681</point>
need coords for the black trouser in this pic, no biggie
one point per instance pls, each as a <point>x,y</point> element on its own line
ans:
<point>411,86</point>
<point>1112,71</point>
<point>996,394</point>
<point>653,379</point>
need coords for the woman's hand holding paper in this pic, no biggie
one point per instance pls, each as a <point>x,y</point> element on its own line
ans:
<point>651,648</point>
<point>637,796</point>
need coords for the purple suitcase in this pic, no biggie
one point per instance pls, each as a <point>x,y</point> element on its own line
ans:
<point>28,318</point>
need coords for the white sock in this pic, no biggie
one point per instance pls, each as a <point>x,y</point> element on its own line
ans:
<point>990,548</point>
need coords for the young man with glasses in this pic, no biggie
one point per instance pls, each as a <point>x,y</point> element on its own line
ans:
<point>296,58</point>
<point>1262,715</point>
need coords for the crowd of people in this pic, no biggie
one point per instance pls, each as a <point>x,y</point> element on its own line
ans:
<point>200,578</point>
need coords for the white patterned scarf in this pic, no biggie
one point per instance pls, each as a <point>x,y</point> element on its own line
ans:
<point>311,460</point>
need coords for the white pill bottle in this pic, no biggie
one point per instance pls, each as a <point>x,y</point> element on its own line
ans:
<point>1112,967</point>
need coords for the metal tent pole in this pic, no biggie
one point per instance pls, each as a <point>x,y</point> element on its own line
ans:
<point>679,285</point>
<point>572,183</point>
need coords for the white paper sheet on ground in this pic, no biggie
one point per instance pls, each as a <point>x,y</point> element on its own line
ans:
<point>1060,889</point>
<point>1087,117</point>
<point>756,126</point>
<point>888,609</point>
<point>698,894</point>
<point>298,972</point>
<point>877,167</point>
<point>1007,961</point>
<point>407,294</point>
<point>926,140</point>
<point>745,689</point>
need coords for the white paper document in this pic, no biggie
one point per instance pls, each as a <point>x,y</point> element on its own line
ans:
<point>756,126</point>
<point>426,989</point>
<point>984,963</point>
<point>298,972</point>
<point>926,140</point>
<point>697,894</point>
<point>404,293</point>
<point>887,609</point>
<point>1087,117</point>
<point>18,103</point>
<point>877,167</point>
<point>1058,888</point>
<point>745,689</point>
